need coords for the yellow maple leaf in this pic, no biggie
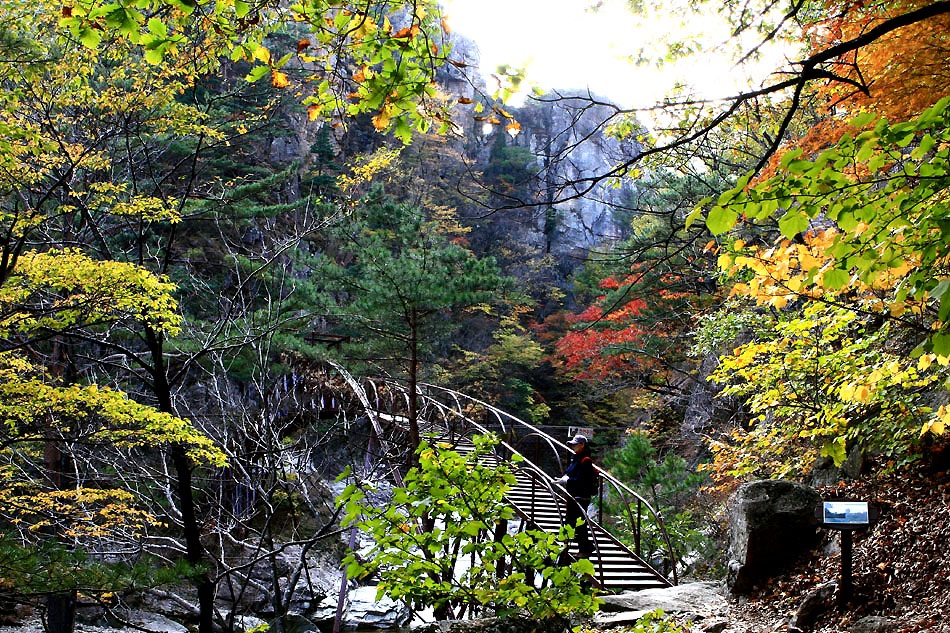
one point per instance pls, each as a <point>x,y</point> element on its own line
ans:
<point>936,426</point>
<point>846,392</point>
<point>367,27</point>
<point>779,301</point>
<point>279,79</point>
<point>381,120</point>
<point>862,393</point>
<point>262,54</point>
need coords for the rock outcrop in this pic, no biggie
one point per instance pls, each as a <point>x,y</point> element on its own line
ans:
<point>771,523</point>
<point>565,132</point>
<point>366,612</point>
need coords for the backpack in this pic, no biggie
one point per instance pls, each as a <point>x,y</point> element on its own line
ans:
<point>593,485</point>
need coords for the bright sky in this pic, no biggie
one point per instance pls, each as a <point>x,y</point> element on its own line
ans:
<point>566,46</point>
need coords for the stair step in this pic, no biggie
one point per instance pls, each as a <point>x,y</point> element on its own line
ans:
<point>616,567</point>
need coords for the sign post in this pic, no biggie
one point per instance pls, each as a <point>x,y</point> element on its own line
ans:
<point>846,517</point>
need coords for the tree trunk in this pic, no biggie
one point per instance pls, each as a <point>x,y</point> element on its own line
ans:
<point>60,606</point>
<point>61,612</point>
<point>413,387</point>
<point>191,530</point>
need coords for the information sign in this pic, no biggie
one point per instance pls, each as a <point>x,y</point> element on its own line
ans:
<point>846,517</point>
<point>846,513</point>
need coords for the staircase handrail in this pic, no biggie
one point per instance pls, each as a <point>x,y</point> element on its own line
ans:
<point>536,473</point>
<point>547,439</point>
<point>554,441</point>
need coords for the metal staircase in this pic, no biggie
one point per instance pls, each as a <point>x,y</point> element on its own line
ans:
<point>452,416</point>
<point>540,505</point>
<point>448,416</point>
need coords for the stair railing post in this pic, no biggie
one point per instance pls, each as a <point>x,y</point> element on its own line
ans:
<point>534,485</point>
<point>637,530</point>
<point>600,499</point>
<point>500,531</point>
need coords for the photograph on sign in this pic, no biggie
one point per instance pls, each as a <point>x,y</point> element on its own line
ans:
<point>846,512</point>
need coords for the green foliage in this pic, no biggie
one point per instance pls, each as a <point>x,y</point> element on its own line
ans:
<point>398,283</point>
<point>397,64</point>
<point>49,567</point>
<point>819,382</point>
<point>505,372</point>
<point>884,186</point>
<point>510,167</point>
<point>669,485</point>
<point>657,622</point>
<point>586,279</point>
<point>721,327</point>
<point>321,182</point>
<point>462,501</point>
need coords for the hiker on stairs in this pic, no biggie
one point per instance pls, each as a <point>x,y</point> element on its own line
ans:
<point>580,481</point>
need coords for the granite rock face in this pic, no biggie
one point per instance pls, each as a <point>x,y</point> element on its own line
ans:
<point>565,132</point>
<point>771,523</point>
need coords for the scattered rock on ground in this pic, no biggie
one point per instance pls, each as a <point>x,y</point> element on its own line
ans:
<point>873,624</point>
<point>155,622</point>
<point>771,523</point>
<point>815,603</point>
<point>496,625</point>
<point>141,621</point>
<point>716,626</point>
<point>243,623</point>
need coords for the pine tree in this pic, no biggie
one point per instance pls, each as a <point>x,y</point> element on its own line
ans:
<point>406,281</point>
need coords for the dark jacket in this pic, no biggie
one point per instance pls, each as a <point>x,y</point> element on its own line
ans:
<point>581,478</point>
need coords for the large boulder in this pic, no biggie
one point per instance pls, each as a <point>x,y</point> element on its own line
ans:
<point>771,523</point>
<point>699,600</point>
<point>366,612</point>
